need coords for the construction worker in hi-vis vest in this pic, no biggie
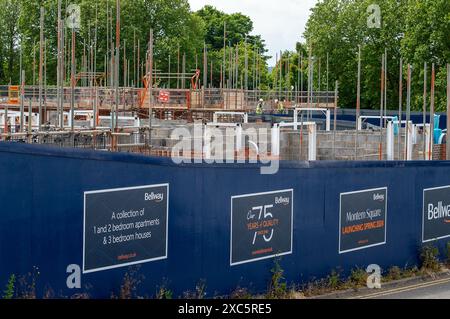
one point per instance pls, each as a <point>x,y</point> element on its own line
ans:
<point>259,107</point>
<point>280,107</point>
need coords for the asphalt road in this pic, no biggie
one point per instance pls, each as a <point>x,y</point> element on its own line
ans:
<point>439,289</point>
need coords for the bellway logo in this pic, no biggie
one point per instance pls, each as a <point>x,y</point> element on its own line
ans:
<point>154,197</point>
<point>378,197</point>
<point>440,211</point>
<point>282,200</point>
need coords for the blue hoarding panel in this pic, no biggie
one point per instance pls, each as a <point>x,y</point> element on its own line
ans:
<point>42,219</point>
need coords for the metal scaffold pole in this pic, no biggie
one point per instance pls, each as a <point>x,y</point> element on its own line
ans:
<point>358,101</point>
<point>408,111</point>
<point>150,103</point>
<point>45,79</point>
<point>205,66</point>
<point>358,89</point>
<point>224,72</point>
<point>178,67</point>
<point>246,65</point>
<point>301,77</point>
<point>400,109</point>
<point>432,100</point>
<point>328,72</point>
<point>72,82</point>
<point>385,86</point>
<point>117,70</point>
<point>22,102</point>
<point>58,69</point>
<point>183,76</point>
<point>336,97</point>
<point>41,64</point>
<point>380,150</point>
<point>62,71</point>
<point>424,109</point>
<point>22,90</point>
<point>138,66</point>
<point>124,63</point>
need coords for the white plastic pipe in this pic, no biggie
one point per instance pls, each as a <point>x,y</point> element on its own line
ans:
<point>426,136</point>
<point>312,142</point>
<point>239,138</point>
<point>410,132</point>
<point>207,143</point>
<point>390,141</point>
<point>276,140</point>
<point>295,120</point>
<point>328,120</point>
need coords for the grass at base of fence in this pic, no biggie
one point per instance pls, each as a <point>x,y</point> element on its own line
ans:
<point>24,287</point>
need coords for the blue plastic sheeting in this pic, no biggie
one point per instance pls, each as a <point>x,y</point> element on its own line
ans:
<point>437,135</point>
<point>437,130</point>
<point>42,217</point>
<point>437,120</point>
<point>396,125</point>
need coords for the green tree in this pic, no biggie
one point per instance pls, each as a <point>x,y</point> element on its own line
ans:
<point>415,30</point>
<point>427,26</point>
<point>238,39</point>
<point>172,21</point>
<point>177,31</point>
<point>238,27</point>
<point>9,38</point>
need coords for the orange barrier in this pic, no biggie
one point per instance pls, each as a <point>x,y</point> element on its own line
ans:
<point>13,94</point>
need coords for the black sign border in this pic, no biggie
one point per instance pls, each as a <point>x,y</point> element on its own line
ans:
<point>265,257</point>
<point>385,219</point>
<point>423,215</point>
<point>112,190</point>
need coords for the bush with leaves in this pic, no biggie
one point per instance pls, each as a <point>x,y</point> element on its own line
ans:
<point>10,288</point>
<point>429,258</point>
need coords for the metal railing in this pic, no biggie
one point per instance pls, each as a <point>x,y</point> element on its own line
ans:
<point>121,141</point>
<point>131,98</point>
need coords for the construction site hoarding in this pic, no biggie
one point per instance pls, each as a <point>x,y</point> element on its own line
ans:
<point>46,223</point>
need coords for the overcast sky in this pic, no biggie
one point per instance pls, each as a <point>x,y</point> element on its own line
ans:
<point>280,22</point>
